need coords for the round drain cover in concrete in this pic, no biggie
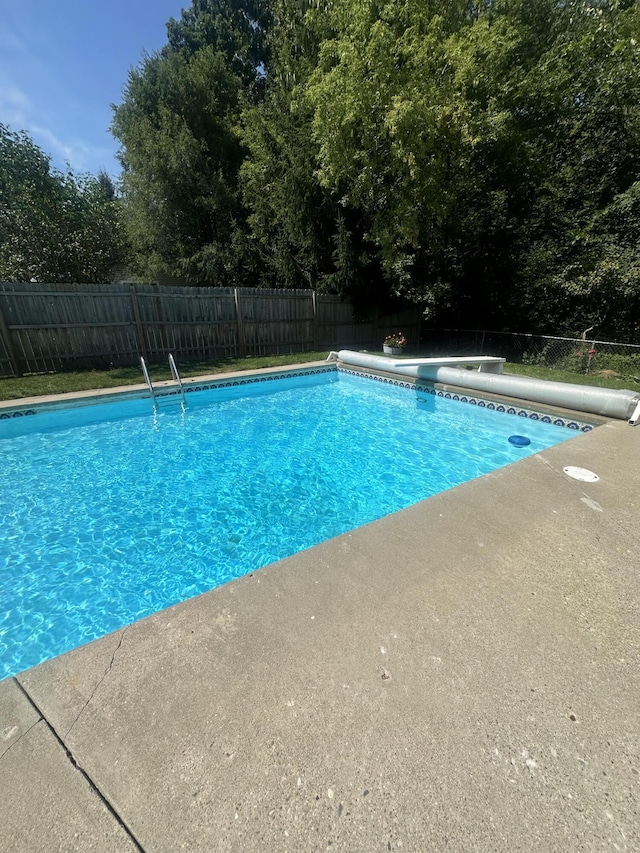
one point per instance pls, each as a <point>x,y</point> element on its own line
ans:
<point>581,474</point>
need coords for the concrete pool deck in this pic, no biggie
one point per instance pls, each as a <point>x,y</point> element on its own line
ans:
<point>463,675</point>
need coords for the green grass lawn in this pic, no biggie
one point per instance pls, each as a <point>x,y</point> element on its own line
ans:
<point>609,380</point>
<point>12,388</point>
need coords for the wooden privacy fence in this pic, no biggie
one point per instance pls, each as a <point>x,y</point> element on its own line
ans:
<point>48,327</point>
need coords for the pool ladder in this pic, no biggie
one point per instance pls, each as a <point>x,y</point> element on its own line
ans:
<point>165,398</point>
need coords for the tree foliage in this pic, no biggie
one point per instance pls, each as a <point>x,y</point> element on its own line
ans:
<point>303,233</point>
<point>181,142</point>
<point>53,226</point>
<point>480,157</point>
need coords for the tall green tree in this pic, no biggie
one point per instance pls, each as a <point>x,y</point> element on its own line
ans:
<point>181,142</point>
<point>482,139</point>
<point>393,138</point>
<point>304,234</point>
<point>578,255</point>
<point>54,226</point>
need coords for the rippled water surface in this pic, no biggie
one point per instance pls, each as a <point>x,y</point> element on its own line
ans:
<point>108,514</point>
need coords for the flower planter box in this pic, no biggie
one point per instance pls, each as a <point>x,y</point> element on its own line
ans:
<point>387,350</point>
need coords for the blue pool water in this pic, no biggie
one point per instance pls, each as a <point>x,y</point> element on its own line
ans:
<point>109,513</point>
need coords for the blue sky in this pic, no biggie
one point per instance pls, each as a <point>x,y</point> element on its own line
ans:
<point>64,62</point>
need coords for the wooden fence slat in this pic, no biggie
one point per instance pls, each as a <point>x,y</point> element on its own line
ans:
<point>136,313</point>
<point>5,337</point>
<point>314,299</point>
<point>240,322</point>
<point>164,339</point>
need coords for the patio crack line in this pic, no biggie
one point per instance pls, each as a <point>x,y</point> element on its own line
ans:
<point>92,785</point>
<point>95,689</point>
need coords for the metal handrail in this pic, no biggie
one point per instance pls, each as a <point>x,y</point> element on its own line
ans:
<point>147,379</point>
<point>174,372</point>
<point>176,376</point>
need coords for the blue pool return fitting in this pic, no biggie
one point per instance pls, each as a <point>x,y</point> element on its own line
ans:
<point>519,440</point>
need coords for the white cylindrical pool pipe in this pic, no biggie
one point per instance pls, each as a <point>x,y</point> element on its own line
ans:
<point>582,398</point>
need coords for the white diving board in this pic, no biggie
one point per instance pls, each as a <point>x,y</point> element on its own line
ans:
<point>486,363</point>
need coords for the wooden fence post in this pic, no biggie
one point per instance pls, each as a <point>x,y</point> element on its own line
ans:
<point>136,313</point>
<point>376,332</point>
<point>241,344</point>
<point>5,337</point>
<point>164,335</point>
<point>314,299</point>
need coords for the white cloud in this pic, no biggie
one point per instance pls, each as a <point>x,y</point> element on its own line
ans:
<point>81,155</point>
<point>50,143</point>
<point>12,96</point>
<point>14,104</point>
<point>16,111</point>
<point>15,108</point>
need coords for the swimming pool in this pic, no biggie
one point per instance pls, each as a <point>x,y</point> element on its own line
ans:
<point>110,512</point>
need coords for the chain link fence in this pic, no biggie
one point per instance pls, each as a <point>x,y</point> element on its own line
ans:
<point>576,355</point>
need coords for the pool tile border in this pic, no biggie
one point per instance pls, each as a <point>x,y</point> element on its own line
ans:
<point>252,379</point>
<point>189,388</point>
<point>480,402</point>
<point>216,384</point>
<point>16,413</point>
